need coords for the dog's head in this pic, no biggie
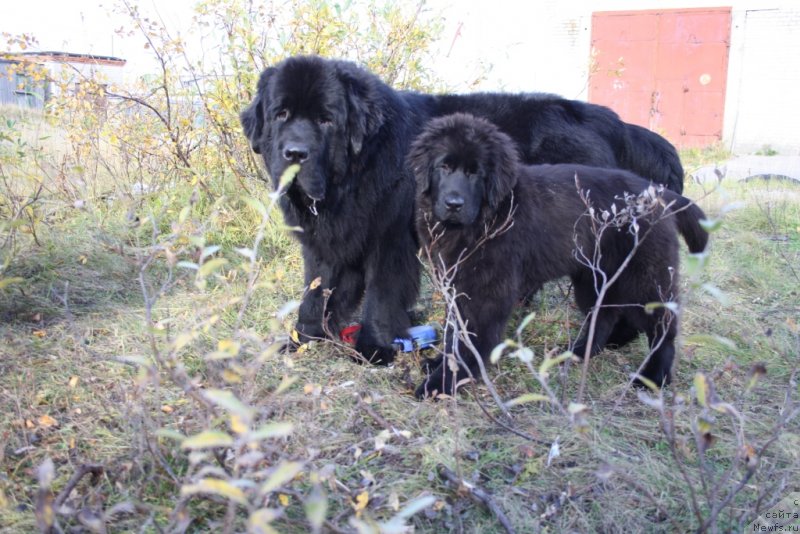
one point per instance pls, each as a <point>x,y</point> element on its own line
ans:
<point>314,112</point>
<point>465,167</point>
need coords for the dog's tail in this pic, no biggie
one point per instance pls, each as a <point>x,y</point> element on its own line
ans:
<point>648,154</point>
<point>688,216</point>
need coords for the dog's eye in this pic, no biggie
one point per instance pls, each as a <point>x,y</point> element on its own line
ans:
<point>282,115</point>
<point>444,167</point>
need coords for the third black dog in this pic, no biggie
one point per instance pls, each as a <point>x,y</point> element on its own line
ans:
<point>505,229</point>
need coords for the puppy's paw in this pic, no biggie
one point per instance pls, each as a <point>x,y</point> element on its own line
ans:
<point>374,354</point>
<point>438,382</point>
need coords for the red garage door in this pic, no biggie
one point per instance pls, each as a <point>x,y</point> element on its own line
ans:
<point>664,70</point>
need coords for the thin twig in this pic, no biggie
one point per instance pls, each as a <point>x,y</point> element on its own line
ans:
<point>476,494</point>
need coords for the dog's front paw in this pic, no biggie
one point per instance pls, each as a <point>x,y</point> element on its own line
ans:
<point>374,354</point>
<point>439,381</point>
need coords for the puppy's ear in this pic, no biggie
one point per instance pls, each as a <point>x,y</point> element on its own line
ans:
<point>420,163</point>
<point>503,162</point>
<point>364,110</point>
<point>252,118</point>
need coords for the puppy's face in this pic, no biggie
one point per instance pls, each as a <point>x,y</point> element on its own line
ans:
<point>465,167</point>
<point>457,189</point>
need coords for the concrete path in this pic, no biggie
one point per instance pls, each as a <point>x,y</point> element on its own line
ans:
<point>746,167</point>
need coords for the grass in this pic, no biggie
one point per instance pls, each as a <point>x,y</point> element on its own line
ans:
<point>66,392</point>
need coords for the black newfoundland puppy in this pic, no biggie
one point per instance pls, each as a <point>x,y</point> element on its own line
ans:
<point>504,229</point>
<point>353,197</point>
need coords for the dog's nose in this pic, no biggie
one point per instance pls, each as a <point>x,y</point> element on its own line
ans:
<point>454,202</point>
<point>295,153</point>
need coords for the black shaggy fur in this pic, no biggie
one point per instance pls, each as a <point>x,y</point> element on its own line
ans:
<point>469,183</point>
<point>354,197</point>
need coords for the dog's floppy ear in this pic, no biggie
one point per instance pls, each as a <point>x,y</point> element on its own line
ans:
<point>502,169</point>
<point>252,118</point>
<point>420,162</point>
<point>364,110</point>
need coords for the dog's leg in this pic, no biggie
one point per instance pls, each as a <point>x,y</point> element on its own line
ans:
<point>606,320</point>
<point>347,289</point>
<point>487,319</point>
<point>622,334</point>
<point>392,284</point>
<point>661,333</point>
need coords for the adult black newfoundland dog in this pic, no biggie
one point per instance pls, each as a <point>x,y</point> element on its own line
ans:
<point>353,197</point>
<point>503,229</point>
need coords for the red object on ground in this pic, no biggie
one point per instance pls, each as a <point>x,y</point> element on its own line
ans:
<point>349,333</point>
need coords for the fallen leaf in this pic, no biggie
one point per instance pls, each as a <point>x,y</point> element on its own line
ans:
<point>167,408</point>
<point>284,499</point>
<point>362,499</point>
<point>39,333</point>
<point>47,421</point>
<point>73,381</point>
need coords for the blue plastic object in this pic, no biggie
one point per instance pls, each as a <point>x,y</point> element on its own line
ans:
<point>419,337</point>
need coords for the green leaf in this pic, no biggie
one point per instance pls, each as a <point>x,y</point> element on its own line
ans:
<point>227,400</point>
<point>710,225</point>
<point>259,521</point>
<point>208,439</point>
<point>215,486</point>
<point>708,339</point>
<point>653,402</point>
<point>316,508</point>
<point>5,282</point>
<point>168,433</point>
<point>210,266</point>
<point>695,263</point>
<point>524,354</point>
<point>550,362</point>
<point>717,293</point>
<point>494,357</point>
<point>271,430</point>
<point>527,397</point>
<point>528,318</point>
<point>288,177</point>
<point>188,265</point>
<point>257,206</point>
<point>208,251</point>
<point>184,214</point>
<point>650,307</point>
<point>282,474</point>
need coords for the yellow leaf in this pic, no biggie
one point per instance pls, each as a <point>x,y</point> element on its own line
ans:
<point>238,425</point>
<point>47,421</point>
<point>362,499</point>
<point>206,440</point>
<point>295,336</point>
<point>73,381</point>
<point>302,348</point>
<point>167,408</point>
<point>229,346</point>
<point>39,333</point>
<point>701,388</point>
<point>217,487</point>
<point>284,499</point>
<point>83,259</point>
<point>231,377</point>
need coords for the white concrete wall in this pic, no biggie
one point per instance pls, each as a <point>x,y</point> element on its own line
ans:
<point>544,45</point>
